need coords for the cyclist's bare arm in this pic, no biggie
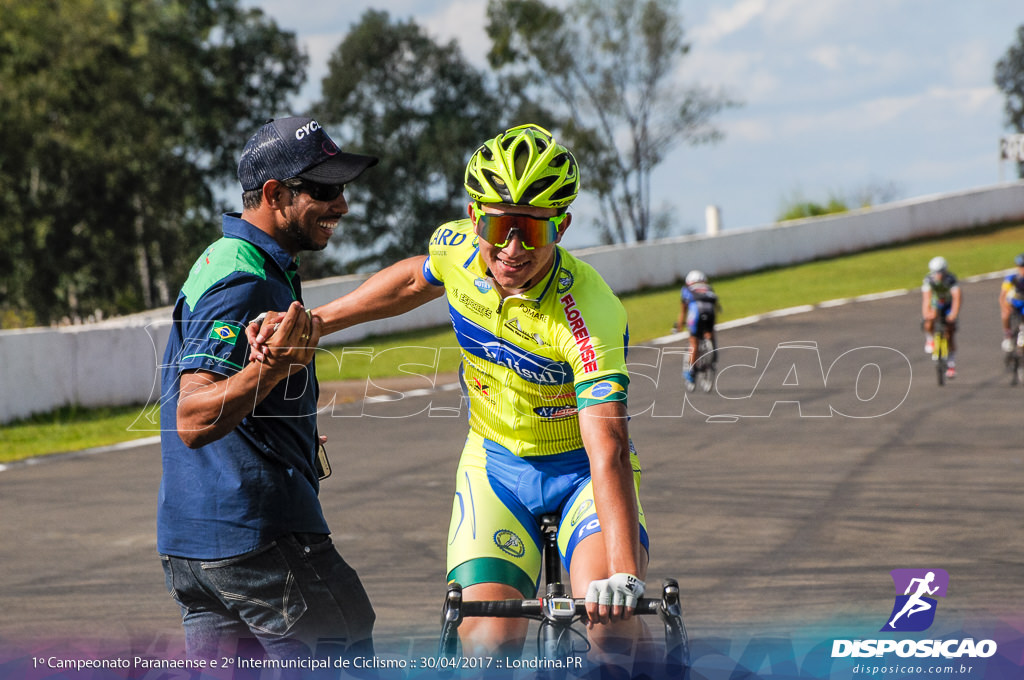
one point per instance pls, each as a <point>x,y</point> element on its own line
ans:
<point>1004,305</point>
<point>954,310</point>
<point>392,291</point>
<point>926,305</point>
<point>606,438</point>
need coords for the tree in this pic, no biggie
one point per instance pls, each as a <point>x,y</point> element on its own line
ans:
<point>871,193</point>
<point>605,70</point>
<point>799,208</point>
<point>395,93</point>
<point>1009,78</point>
<point>116,117</point>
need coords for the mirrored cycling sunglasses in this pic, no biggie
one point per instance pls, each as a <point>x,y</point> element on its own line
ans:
<point>534,232</point>
<point>316,191</point>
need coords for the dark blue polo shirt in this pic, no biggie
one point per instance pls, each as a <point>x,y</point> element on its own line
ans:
<point>259,481</point>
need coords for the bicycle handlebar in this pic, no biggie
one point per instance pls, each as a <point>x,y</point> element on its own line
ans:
<point>514,608</point>
<point>554,612</point>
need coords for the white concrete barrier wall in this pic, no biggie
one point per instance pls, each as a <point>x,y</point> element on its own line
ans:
<point>117,362</point>
<point>90,365</point>
<point>658,263</point>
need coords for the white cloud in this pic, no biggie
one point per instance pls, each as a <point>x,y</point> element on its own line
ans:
<point>463,21</point>
<point>814,20</point>
<point>971,62</point>
<point>779,21</point>
<point>834,91</point>
<point>725,22</point>
<point>934,112</point>
<point>743,75</point>
<point>827,56</point>
<point>749,130</point>
<point>966,100</point>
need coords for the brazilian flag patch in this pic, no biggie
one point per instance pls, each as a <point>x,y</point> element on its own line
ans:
<point>226,332</point>
<point>599,390</point>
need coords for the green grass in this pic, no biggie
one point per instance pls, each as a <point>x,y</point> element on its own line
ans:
<point>351,363</point>
<point>71,429</point>
<point>651,314</point>
<point>979,251</point>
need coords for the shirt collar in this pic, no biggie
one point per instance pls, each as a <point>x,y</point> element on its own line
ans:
<point>235,227</point>
<point>548,282</point>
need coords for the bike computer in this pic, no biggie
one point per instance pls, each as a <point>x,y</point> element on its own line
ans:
<point>560,607</point>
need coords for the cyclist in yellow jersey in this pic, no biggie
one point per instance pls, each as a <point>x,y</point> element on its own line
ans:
<point>535,349</point>
<point>543,343</point>
<point>1011,297</point>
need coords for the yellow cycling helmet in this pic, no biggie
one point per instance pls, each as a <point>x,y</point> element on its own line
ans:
<point>523,166</point>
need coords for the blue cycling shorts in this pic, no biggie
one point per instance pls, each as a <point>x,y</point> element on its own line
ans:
<point>494,535</point>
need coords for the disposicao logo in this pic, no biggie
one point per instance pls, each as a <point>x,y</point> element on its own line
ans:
<point>914,611</point>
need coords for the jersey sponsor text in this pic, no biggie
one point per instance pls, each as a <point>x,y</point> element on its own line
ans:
<point>580,333</point>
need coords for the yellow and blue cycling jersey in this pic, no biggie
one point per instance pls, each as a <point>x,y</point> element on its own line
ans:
<point>1013,291</point>
<point>530,361</point>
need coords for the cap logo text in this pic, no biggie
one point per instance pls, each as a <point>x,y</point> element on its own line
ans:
<point>309,128</point>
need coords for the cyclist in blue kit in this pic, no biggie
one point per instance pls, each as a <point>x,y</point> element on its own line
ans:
<point>698,307</point>
<point>941,297</point>
<point>1011,298</point>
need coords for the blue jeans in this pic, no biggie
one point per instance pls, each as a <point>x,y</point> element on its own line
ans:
<point>296,596</point>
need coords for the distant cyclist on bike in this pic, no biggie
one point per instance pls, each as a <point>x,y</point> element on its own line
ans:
<point>697,309</point>
<point>543,343</point>
<point>940,297</point>
<point>1011,298</point>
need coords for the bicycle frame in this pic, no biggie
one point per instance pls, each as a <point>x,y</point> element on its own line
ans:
<point>557,612</point>
<point>703,364</point>
<point>1015,357</point>
<point>940,348</point>
<point>704,368</point>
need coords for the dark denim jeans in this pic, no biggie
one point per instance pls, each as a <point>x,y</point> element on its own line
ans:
<point>297,597</point>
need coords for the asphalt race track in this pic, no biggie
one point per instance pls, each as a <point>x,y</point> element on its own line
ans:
<point>827,457</point>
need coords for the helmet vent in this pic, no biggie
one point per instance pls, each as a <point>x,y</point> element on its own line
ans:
<point>498,184</point>
<point>521,160</point>
<point>564,191</point>
<point>541,185</point>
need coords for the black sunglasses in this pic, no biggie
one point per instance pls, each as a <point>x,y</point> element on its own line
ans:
<point>316,191</point>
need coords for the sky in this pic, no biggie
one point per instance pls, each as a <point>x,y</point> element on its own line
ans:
<point>840,98</point>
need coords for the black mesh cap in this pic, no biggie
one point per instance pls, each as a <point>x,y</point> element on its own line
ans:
<point>297,147</point>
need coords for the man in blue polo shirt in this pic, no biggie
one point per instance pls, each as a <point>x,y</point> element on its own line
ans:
<point>245,548</point>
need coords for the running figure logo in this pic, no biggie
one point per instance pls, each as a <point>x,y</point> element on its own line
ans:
<point>914,610</point>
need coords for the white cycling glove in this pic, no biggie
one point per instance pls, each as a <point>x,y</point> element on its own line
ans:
<point>619,589</point>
